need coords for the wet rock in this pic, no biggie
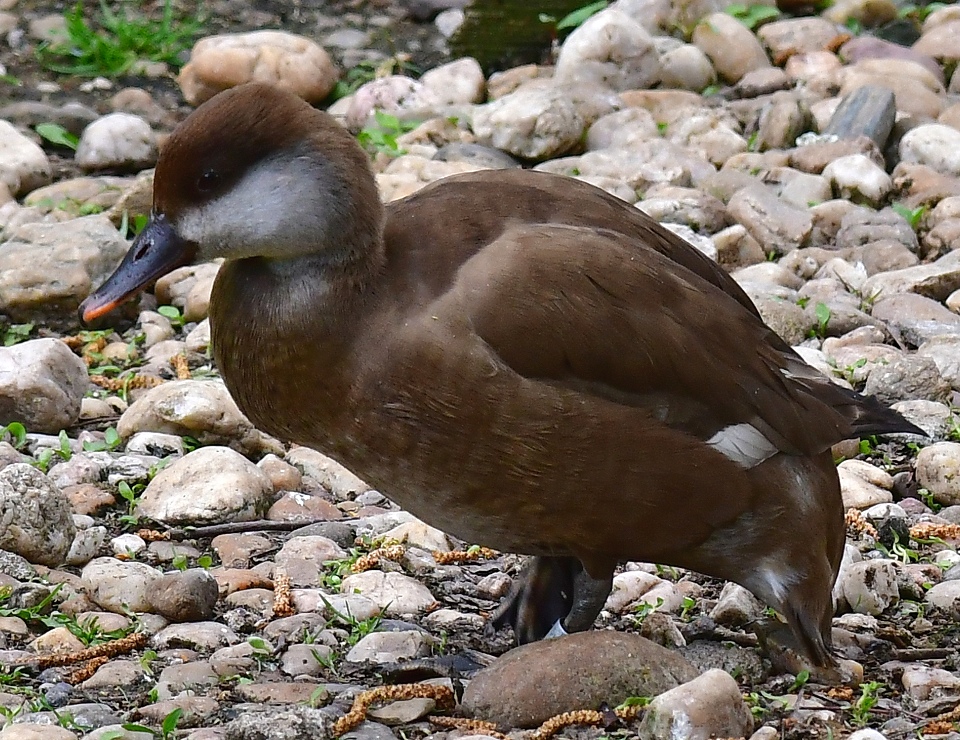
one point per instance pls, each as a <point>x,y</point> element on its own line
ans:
<point>188,596</point>
<point>550,677</point>
<point>708,706</point>
<point>47,269</point>
<point>35,518</point>
<point>41,385</point>
<point>287,60</point>
<point>209,485</point>
<point>117,141</point>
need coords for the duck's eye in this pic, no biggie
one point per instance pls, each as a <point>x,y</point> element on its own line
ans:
<point>208,181</point>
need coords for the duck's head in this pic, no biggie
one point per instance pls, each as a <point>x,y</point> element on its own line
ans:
<point>254,172</point>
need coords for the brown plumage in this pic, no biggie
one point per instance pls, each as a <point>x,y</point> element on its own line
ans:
<point>517,358</point>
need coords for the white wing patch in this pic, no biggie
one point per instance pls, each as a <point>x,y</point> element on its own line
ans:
<point>744,444</point>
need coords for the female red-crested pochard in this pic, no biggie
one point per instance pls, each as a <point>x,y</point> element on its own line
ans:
<point>517,358</point>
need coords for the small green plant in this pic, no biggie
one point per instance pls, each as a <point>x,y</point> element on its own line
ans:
<point>261,651</point>
<point>369,70</point>
<point>800,681</point>
<point>17,433</point>
<point>634,701</point>
<point>753,143</point>
<point>43,460</point>
<point>381,136</point>
<point>918,13</point>
<point>147,660</point>
<point>90,633</point>
<point>205,562</point>
<point>868,445</point>
<point>575,18</point>
<point>131,495</point>
<point>57,134</point>
<point>111,44</point>
<point>111,441</point>
<point>129,228</point>
<point>64,450</point>
<point>167,728</point>
<point>173,314</point>
<point>913,216</point>
<point>16,333</point>
<point>686,606</point>
<point>822,312</point>
<point>645,609</point>
<point>861,709</point>
<point>752,15</point>
<point>180,562</point>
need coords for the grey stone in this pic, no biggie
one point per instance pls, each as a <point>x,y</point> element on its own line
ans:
<point>41,385</point>
<point>776,225</point>
<point>47,269</point>
<point>23,164</point>
<point>938,470</point>
<point>117,141</point>
<point>188,596</point>
<point>389,647</point>
<point>907,378</point>
<point>915,319</point>
<point>35,517</point>
<point>870,586</point>
<point>869,111</point>
<point>531,123</point>
<point>119,586</point>
<point>609,49</point>
<point>209,485</point>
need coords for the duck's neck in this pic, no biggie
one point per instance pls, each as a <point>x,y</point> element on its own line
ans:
<point>282,330</point>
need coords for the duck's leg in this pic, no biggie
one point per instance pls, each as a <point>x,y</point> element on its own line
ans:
<point>553,596</point>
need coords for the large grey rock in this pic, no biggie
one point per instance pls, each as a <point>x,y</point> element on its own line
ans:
<point>41,385</point>
<point>211,485</point>
<point>915,319</point>
<point>730,45</point>
<point>532,683</point>
<point>35,517</point>
<point>535,122</point>
<point>47,269</point>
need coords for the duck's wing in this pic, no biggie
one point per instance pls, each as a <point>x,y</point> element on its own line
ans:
<point>607,315</point>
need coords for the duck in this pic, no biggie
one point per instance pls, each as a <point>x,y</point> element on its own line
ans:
<point>517,358</point>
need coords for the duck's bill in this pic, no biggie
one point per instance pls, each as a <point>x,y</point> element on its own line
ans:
<point>157,250</point>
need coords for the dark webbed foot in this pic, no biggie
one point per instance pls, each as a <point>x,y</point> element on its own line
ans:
<point>552,596</point>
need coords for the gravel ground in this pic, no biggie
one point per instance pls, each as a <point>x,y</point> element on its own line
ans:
<point>224,654</point>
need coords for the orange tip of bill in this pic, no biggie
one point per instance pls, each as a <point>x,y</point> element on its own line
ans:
<point>90,313</point>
